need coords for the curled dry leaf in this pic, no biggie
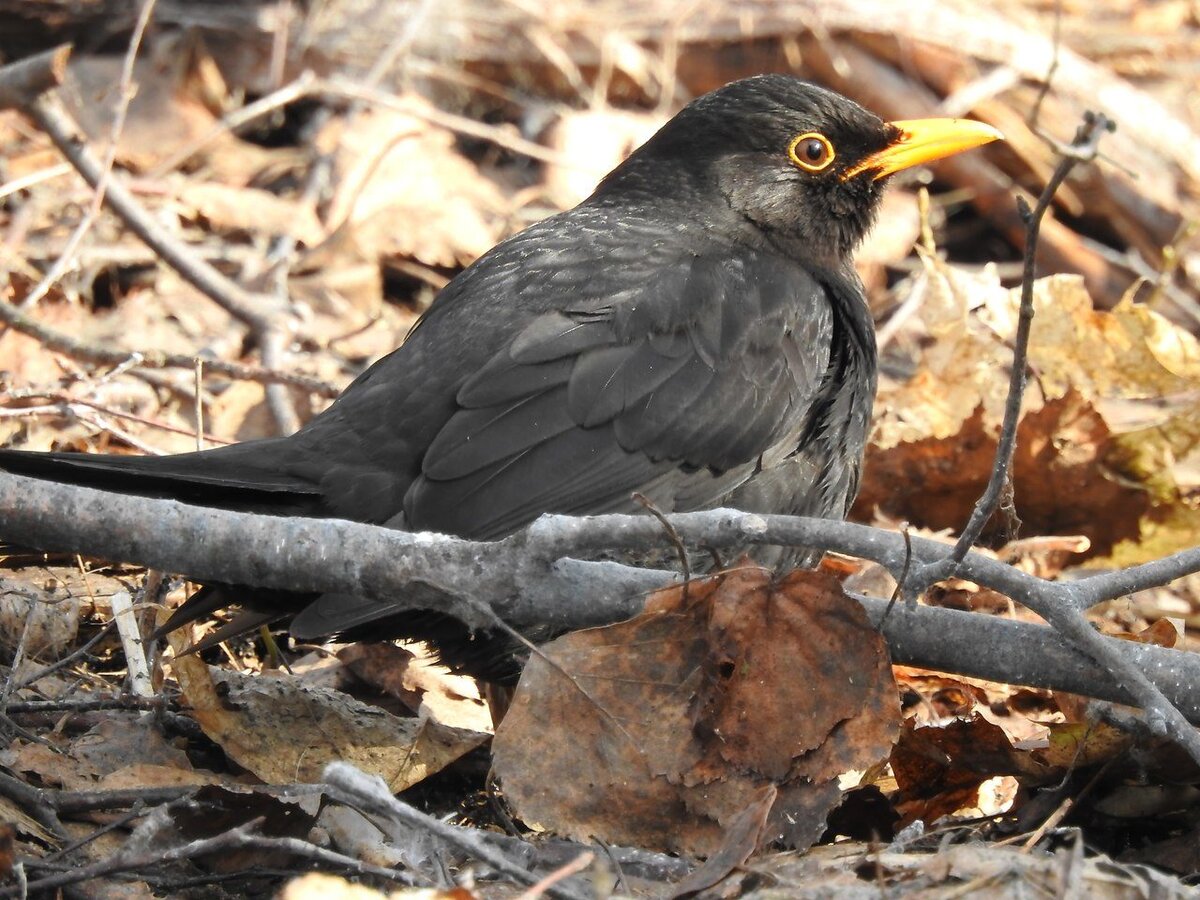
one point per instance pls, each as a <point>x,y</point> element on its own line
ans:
<point>660,731</point>
<point>940,770</point>
<point>424,686</point>
<point>282,731</point>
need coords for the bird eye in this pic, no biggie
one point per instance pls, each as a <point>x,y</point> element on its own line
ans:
<point>811,152</point>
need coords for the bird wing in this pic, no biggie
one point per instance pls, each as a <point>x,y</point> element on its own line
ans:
<point>675,386</point>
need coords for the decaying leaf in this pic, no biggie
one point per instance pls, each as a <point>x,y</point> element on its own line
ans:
<point>282,731</point>
<point>661,730</point>
<point>940,770</point>
<point>742,838</point>
<point>111,754</point>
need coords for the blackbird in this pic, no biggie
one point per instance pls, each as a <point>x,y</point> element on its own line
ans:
<point>694,331</point>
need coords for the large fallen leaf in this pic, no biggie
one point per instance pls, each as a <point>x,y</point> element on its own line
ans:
<point>661,730</point>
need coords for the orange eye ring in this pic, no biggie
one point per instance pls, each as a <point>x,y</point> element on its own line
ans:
<point>811,151</point>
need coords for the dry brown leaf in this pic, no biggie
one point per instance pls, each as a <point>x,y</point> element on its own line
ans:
<point>1061,481</point>
<point>940,769</point>
<point>282,731</point>
<point>248,209</point>
<point>45,618</point>
<point>1128,351</point>
<point>1080,744</point>
<point>145,775</point>
<point>117,744</point>
<point>240,413</point>
<point>661,730</point>
<point>162,119</point>
<point>742,838</point>
<point>933,439</point>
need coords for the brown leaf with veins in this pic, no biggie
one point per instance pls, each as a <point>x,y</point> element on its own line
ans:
<point>662,730</point>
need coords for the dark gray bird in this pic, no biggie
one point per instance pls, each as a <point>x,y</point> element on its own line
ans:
<point>693,331</point>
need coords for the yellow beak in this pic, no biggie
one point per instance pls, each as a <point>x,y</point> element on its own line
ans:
<point>924,140</point>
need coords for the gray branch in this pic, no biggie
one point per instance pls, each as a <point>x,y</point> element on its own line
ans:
<point>530,580</point>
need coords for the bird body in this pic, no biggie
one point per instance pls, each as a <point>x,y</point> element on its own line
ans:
<point>693,332</point>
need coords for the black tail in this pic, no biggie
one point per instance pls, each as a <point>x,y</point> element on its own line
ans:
<point>251,476</point>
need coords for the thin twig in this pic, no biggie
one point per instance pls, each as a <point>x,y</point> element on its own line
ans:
<point>1044,88</point>
<point>125,92</point>
<point>237,119</point>
<point>94,353</point>
<point>135,859</point>
<point>61,404</point>
<point>370,793</point>
<point>261,314</point>
<point>78,653</point>
<point>685,567</point>
<point>899,589</point>
<point>33,801</point>
<point>126,701</point>
<point>1085,144</point>
<point>48,113</point>
<point>32,76</point>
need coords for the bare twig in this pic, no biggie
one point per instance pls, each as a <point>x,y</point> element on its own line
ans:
<point>685,567</point>
<point>50,116</point>
<point>370,794</point>
<point>529,581</point>
<point>32,76</point>
<point>125,93</point>
<point>1044,88</point>
<point>77,653</point>
<point>258,313</point>
<point>238,118</point>
<point>63,404</point>
<point>76,349</point>
<point>1085,144</point>
<point>135,859</point>
<point>32,800</point>
<point>85,704</point>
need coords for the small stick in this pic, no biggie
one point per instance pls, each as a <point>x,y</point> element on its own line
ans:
<point>131,641</point>
<point>32,76</point>
<point>76,349</point>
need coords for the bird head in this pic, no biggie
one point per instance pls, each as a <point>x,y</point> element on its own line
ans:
<point>786,161</point>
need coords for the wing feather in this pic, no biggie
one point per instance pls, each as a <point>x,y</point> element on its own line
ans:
<point>680,387</point>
